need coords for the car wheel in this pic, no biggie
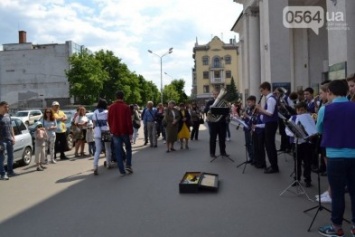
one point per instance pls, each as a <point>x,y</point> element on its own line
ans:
<point>26,156</point>
<point>70,141</point>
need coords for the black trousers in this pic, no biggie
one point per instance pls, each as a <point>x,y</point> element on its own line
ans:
<point>285,140</point>
<point>304,156</point>
<point>259,149</point>
<point>270,133</point>
<point>61,144</point>
<point>218,128</point>
<point>195,128</point>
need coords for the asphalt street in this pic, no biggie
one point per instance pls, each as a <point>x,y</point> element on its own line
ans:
<point>68,200</point>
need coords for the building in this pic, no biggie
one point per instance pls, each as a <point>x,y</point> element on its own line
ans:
<point>216,63</point>
<point>295,58</point>
<point>32,76</point>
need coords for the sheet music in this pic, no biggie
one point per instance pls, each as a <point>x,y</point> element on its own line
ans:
<point>240,121</point>
<point>308,123</point>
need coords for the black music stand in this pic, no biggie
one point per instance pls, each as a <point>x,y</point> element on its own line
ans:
<point>299,134</point>
<point>241,122</point>
<point>220,111</point>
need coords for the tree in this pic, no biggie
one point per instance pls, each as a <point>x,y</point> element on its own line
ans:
<point>232,90</point>
<point>86,77</point>
<point>175,91</point>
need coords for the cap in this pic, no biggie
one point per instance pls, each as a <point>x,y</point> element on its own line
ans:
<point>55,103</point>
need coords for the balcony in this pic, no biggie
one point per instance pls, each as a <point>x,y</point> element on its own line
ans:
<point>217,80</point>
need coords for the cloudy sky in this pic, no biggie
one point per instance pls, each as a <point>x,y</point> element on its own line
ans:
<point>127,27</point>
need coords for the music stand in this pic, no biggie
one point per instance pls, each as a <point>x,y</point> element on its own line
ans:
<point>299,134</point>
<point>220,111</point>
<point>241,122</point>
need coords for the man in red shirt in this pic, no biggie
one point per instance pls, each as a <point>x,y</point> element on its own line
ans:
<point>120,123</point>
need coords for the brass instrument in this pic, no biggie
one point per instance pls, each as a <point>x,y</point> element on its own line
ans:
<point>220,102</point>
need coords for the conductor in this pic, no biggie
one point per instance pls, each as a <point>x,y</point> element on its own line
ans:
<point>216,128</point>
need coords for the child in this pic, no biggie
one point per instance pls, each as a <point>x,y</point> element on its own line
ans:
<point>40,143</point>
<point>251,100</point>
<point>90,138</point>
<point>304,147</point>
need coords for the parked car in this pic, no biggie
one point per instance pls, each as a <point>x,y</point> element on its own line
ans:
<point>29,117</point>
<point>23,147</point>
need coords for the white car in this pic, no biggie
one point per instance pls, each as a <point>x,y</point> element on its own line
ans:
<point>23,146</point>
<point>29,117</point>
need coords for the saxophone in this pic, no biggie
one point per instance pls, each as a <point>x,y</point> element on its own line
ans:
<point>220,102</point>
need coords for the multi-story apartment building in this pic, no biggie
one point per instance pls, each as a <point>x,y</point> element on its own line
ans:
<point>216,63</point>
<point>277,46</point>
<point>32,76</point>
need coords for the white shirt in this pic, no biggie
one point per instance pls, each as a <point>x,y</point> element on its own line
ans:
<point>103,118</point>
<point>271,104</point>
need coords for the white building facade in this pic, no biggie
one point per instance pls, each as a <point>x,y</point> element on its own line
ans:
<point>32,76</point>
<point>294,58</point>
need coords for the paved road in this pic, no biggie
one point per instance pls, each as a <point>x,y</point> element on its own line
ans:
<point>68,200</point>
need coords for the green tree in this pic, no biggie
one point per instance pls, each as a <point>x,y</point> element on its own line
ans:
<point>232,90</point>
<point>86,77</point>
<point>175,91</point>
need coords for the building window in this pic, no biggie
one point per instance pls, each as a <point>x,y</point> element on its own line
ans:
<point>205,75</point>
<point>228,59</point>
<point>205,60</point>
<point>228,74</point>
<point>217,74</point>
<point>206,89</point>
<point>216,62</point>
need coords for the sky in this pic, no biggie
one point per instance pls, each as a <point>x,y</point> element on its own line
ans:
<point>129,28</point>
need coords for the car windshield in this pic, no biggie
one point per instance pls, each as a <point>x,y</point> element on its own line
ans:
<point>22,113</point>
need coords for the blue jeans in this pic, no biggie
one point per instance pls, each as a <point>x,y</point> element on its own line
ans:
<point>10,157</point>
<point>341,173</point>
<point>118,142</point>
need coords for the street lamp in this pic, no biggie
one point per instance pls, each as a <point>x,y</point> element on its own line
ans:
<point>169,75</point>
<point>161,69</point>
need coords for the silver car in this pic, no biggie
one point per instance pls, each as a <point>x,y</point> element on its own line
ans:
<point>23,142</point>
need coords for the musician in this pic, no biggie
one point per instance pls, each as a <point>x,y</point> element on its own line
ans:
<point>216,128</point>
<point>283,102</point>
<point>308,96</point>
<point>270,118</point>
<point>304,148</point>
<point>249,118</point>
<point>338,139</point>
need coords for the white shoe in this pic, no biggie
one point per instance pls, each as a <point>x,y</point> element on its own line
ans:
<point>164,142</point>
<point>53,162</point>
<point>228,139</point>
<point>326,193</point>
<point>325,199</point>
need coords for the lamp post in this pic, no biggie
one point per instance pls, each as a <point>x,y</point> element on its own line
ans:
<point>161,69</point>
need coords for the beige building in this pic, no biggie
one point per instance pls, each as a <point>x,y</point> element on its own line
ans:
<point>215,64</point>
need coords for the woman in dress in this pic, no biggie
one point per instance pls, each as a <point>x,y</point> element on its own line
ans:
<point>171,119</point>
<point>80,121</point>
<point>99,119</point>
<point>184,127</point>
<point>50,124</point>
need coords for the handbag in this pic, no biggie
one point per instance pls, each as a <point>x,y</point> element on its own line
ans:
<point>136,124</point>
<point>105,135</point>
